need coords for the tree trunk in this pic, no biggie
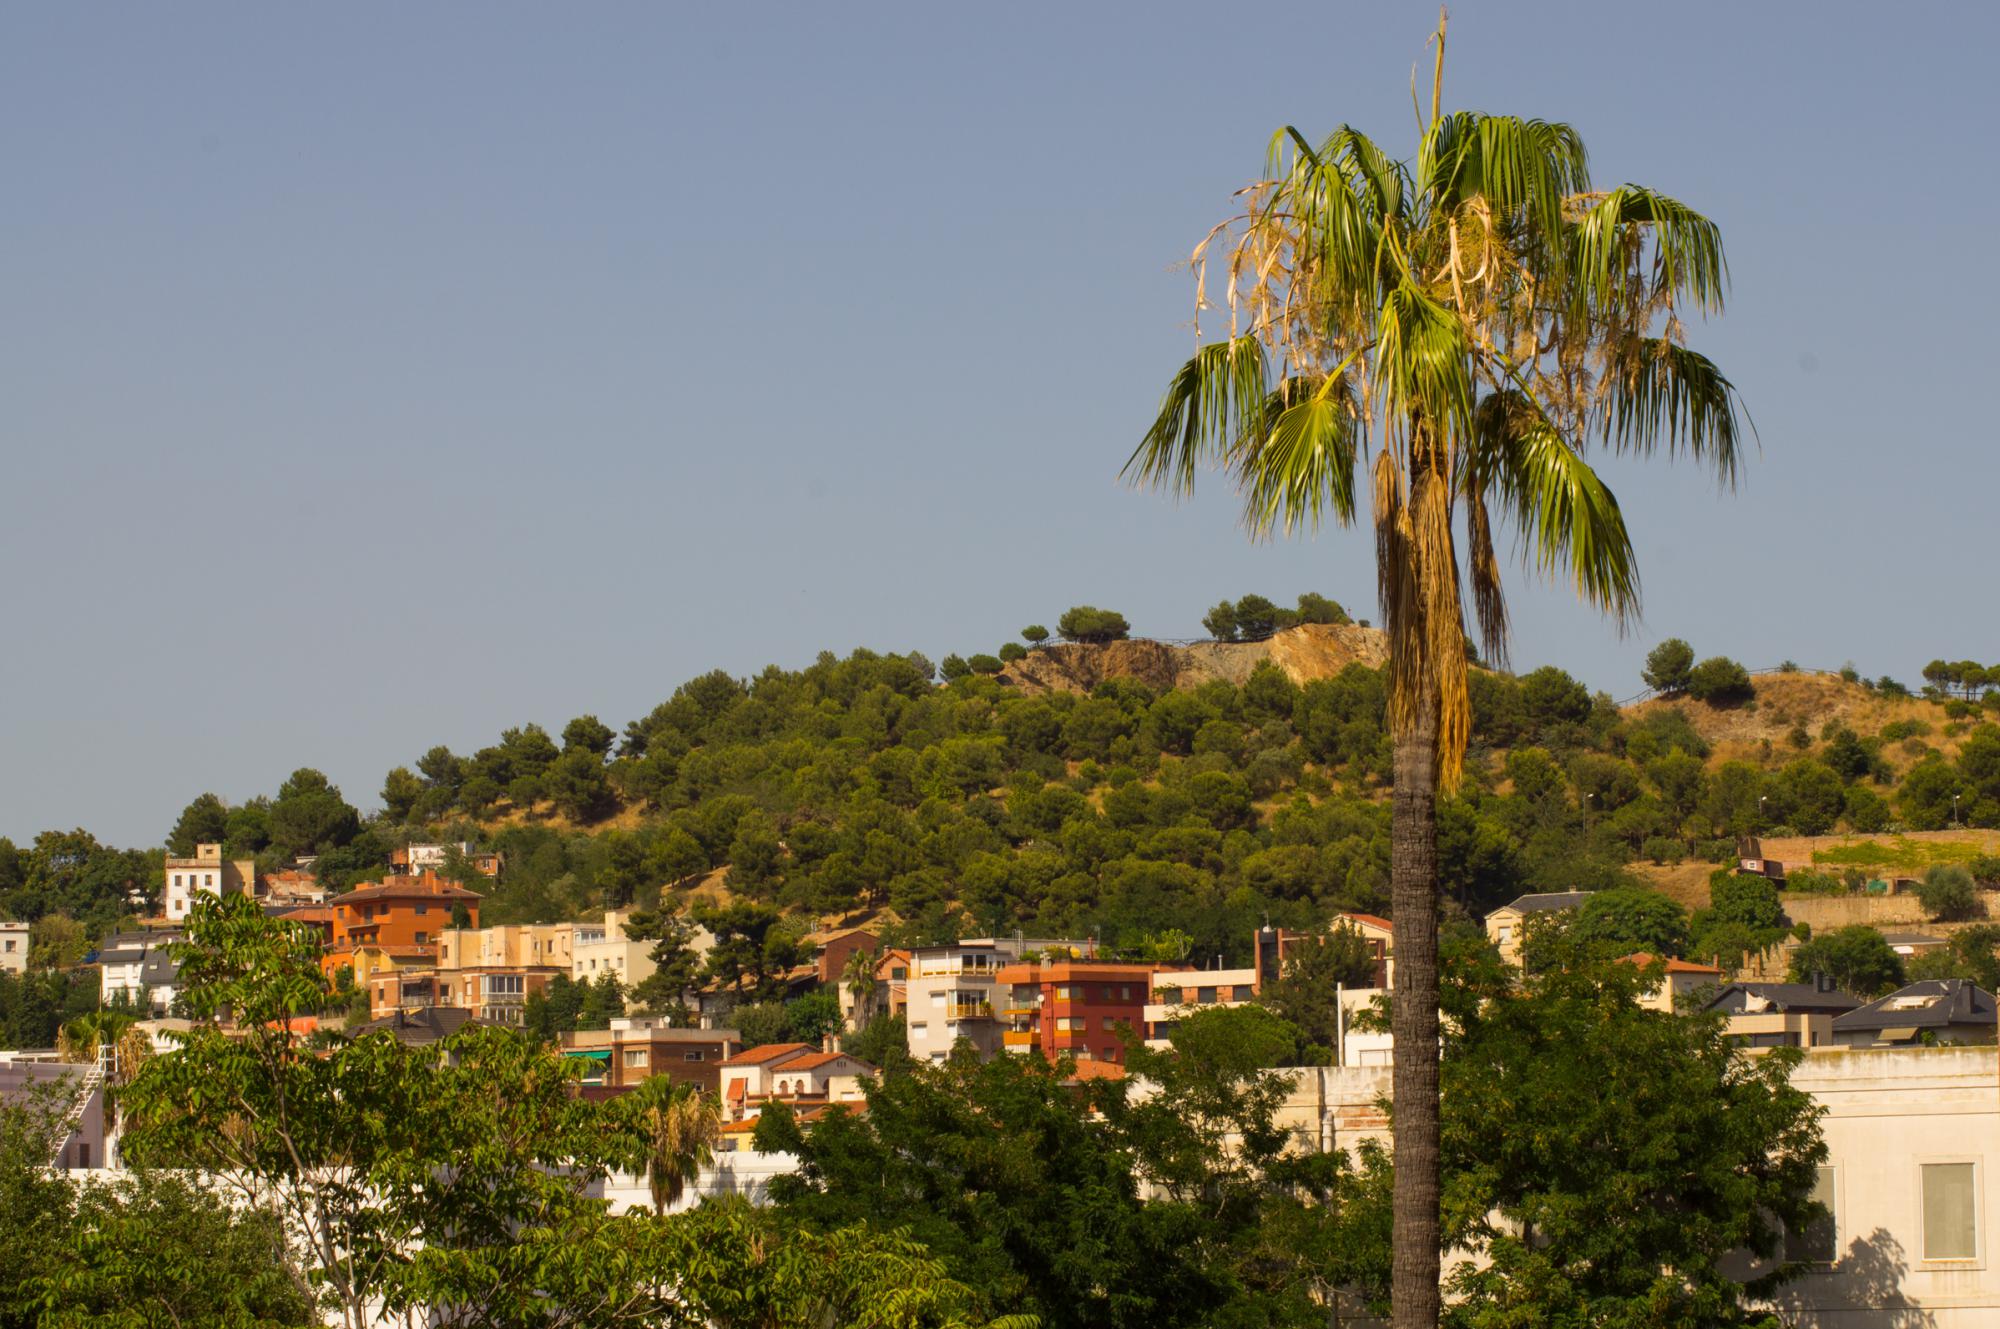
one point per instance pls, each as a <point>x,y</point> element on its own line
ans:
<point>1413,893</point>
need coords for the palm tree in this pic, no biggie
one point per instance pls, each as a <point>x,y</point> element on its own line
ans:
<point>680,1126</point>
<point>1464,325</point>
<point>858,973</point>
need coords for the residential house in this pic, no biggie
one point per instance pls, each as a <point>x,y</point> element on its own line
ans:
<point>950,991</point>
<point>1680,981</point>
<point>401,917</point>
<point>1504,925</point>
<point>1910,945</point>
<point>137,970</point>
<point>834,946</point>
<point>417,859</point>
<point>603,948</point>
<point>1938,1010</point>
<point>290,887</point>
<point>637,1047</point>
<point>13,948</point>
<point>800,1075</point>
<point>1078,1008</point>
<point>1764,1015</point>
<point>418,1027</point>
<point>1912,1137</point>
<point>318,917</point>
<point>73,1095</point>
<point>204,874</point>
<point>890,995</point>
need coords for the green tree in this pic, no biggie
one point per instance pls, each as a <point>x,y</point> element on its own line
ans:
<point>1378,301</point>
<point>1620,922</point>
<point>1613,1211</point>
<point>1034,634</point>
<point>679,1126</point>
<point>1087,623</point>
<point>204,821</point>
<point>1305,992</point>
<point>309,816</point>
<point>1857,959</point>
<point>1669,666</point>
<point>1719,681</point>
<point>401,789</point>
<point>1315,608</point>
<point>1970,953</point>
<point>1949,894</point>
<point>578,786</point>
<point>588,734</point>
<point>1221,622</point>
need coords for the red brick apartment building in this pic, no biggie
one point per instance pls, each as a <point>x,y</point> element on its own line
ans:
<point>1081,1008</point>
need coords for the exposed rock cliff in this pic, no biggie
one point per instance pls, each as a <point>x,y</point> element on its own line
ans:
<point>1315,650</point>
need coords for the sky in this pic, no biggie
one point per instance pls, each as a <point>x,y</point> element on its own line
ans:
<point>380,376</point>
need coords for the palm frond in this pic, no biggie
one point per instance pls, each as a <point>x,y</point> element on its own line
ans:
<point>1522,168</point>
<point>1214,403</point>
<point>1303,469</point>
<point>1660,393</point>
<point>1686,245</point>
<point>1422,361</point>
<point>1569,522</point>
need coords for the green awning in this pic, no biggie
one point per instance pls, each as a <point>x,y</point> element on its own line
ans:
<point>595,1054</point>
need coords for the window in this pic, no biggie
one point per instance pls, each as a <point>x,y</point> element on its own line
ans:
<point>693,1056</point>
<point>920,1028</point>
<point>1072,1024</point>
<point>898,973</point>
<point>1125,994</point>
<point>1818,1242</point>
<point>635,1056</point>
<point>421,939</point>
<point>10,945</point>
<point>1065,993</point>
<point>83,1153</point>
<point>1204,994</point>
<point>1110,1023</point>
<point>423,909</point>
<point>1949,1229</point>
<point>208,879</point>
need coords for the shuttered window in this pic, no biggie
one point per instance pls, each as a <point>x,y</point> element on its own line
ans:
<point>1949,1231</point>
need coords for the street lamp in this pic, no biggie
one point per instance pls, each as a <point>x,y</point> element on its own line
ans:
<point>1954,810</point>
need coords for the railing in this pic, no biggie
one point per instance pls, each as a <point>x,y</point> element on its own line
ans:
<point>970,1010</point>
<point>1018,1038</point>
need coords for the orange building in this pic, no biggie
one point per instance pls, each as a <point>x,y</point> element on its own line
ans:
<point>401,916</point>
<point>1081,1008</point>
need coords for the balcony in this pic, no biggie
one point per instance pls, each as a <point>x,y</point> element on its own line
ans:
<point>1019,1010</point>
<point>969,1010</point>
<point>1018,1040</point>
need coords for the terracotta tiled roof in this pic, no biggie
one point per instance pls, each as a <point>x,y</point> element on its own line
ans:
<point>1674,966</point>
<point>817,1059</point>
<point>408,888</point>
<point>1091,1069</point>
<point>1372,921</point>
<point>769,1052</point>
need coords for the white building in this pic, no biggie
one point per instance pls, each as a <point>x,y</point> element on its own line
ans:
<point>1912,1137</point>
<point>603,948</point>
<point>204,874</point>
<point>137,970</point>
<point>13,948</point>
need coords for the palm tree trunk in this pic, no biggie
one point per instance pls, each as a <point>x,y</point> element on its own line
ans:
<point>1413,894</point>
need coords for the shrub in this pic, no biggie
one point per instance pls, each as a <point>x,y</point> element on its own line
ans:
<point>1788,666</point>
<point>1948,894</point>
<point>1012,650</point>
<point>1849,674</point>
<point>1088,623</point>
<point>1668,666</point>
<point>1811,881</point>
<point>1985,869</point>
<point>1719,680</point>
<point>1662,849</point>
<point>1889,687</point>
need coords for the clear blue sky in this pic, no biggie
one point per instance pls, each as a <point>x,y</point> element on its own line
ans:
<point>380,376</point>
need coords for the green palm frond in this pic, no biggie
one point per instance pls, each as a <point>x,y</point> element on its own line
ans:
<point>1569,522</point>
<point>1687,246</point>
<point>1523,168</point>
<point>1661,393</point>
<point>1422,361</point>
<point>1303,469</point>
<point>1214,403</point>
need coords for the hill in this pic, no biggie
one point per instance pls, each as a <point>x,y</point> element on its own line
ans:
<point>1304,653</point>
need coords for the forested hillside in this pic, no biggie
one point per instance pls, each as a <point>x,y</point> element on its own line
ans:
<point>865,786</point>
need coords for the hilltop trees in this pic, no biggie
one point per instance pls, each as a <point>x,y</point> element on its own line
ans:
<point>1719,681</point>
<point>1432,311</point>
<point>1088,624</point>
<point>1669,666</point>
<point>1253,617</point>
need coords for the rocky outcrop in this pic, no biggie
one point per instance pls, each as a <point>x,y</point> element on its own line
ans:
<point>1315,650</point>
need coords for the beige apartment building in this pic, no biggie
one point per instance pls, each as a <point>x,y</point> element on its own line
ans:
<point>13,948</point>
<point>545,945</point>
<point>205,874</point>
<point>603,948</point>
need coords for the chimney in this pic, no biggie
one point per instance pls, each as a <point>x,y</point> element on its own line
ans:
<point>831,1043</point>
<point>1821,983</point>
